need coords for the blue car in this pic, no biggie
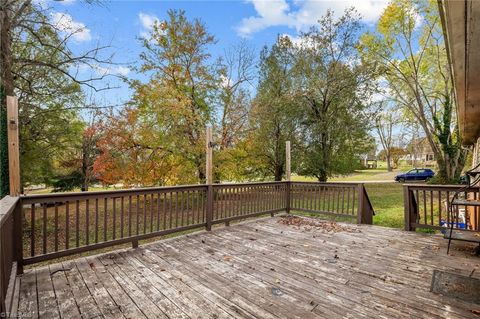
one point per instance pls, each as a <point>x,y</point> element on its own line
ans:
<point>416,174</point>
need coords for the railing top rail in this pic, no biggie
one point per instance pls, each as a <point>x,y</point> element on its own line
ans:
<point>329,183</point>
<point>7,206</point>
<point>248,184</point>
<point>439,187</point>
<point>35,198</point>
<point>108,193</point>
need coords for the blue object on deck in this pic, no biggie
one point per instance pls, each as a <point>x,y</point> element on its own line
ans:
<point>448,225</point>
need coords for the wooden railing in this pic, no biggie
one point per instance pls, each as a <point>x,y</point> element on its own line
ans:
<point>426,206</point>
<point>37,228</point>
<point>347,200</point>
<point>9,250</point>
<point>235,201</point>
<point>57,225</point>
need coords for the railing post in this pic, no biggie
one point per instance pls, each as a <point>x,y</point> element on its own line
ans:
<point>287,197</point>
<point>409,208</point>
<point>209,176</point>
<point>135,243</point>
<point>17,236</point>
<point>365,209</point>
<point>209,215</point>
<point>361,203</point>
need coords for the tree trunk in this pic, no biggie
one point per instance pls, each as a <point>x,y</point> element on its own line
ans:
<point>278,172</point>
<point>389,161</point>
<point>322,175</point>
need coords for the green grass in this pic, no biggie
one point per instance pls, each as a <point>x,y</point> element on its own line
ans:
<point>387,201</point>
<point>376,174</point>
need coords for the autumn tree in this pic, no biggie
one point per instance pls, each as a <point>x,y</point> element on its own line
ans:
<point>409,49</point>
<point>39,68</point>
<point>132,154</point>
<point>334,87</point>
<point>386,121</point>
<point>177,103</point>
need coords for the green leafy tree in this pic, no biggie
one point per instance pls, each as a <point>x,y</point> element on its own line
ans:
<point>274,116</point>
<point>334,86</point>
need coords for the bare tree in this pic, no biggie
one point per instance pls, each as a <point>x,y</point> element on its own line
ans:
<point>385,123</point>
<point>237,73</point>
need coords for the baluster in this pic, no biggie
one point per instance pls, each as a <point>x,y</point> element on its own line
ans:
<point>87,222</point>
<point>56,225</point>
<point>96,220</point>
<point>32,230</point>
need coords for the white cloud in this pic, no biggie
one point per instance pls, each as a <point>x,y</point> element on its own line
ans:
<point>298,41</point>
<point>67,2</point>
<point>102,70</point>
<point>304,13</point>
<point>112,70</point>
<point>147,21</point>
<point>65,23</point>
<point>225,81</point>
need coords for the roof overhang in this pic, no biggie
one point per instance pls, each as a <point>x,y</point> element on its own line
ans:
<point>461,26</point>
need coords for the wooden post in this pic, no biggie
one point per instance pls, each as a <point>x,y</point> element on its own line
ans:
<point>209,151</point>
<point>288,168</point>
<point>409,208</point>
<point>209,177</point>
<point>13,146</point>
<point>361,203</point>
<point>366,215</point>
<point>17,236</point>
<point>288,173</point>
<point>135,243</point>
<point>287,198</point>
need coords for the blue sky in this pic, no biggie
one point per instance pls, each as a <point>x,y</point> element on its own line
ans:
<point>120,23</point>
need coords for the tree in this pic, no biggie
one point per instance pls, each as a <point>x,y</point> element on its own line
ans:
<point>385,123</point>
<point>133,154</point>
<point>237,75</point>
<point>178,101</point>
<point>274,115</point>
<point>77,168</point>
<point>395,153</point>
<point>410,51</point>
<point>39,68</point>
<point>237,72</point>
<point>334,85</point>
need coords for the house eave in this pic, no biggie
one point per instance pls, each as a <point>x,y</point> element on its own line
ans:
<point>461,26</point>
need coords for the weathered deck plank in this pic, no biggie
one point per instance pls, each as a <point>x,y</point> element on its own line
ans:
<point>260,269</point>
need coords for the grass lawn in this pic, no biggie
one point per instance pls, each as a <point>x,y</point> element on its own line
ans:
<point>387,201</point>
<point>377,174</point>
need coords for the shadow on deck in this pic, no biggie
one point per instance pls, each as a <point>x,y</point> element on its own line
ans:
<point>257,269</point>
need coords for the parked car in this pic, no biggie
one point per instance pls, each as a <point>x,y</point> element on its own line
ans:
<point>416,174</point>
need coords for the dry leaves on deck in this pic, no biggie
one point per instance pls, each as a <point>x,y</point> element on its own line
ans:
<point>309,224</point>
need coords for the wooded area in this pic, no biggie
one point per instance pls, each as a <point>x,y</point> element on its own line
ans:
<point>329,92</point>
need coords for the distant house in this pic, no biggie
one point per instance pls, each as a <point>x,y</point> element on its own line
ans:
<point>368,161</point>
<point>420,153</point>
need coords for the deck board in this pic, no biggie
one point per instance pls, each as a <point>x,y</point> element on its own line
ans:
<point>258,269</point>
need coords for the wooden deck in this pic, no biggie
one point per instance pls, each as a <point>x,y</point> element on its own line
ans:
<point>258,269</point>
